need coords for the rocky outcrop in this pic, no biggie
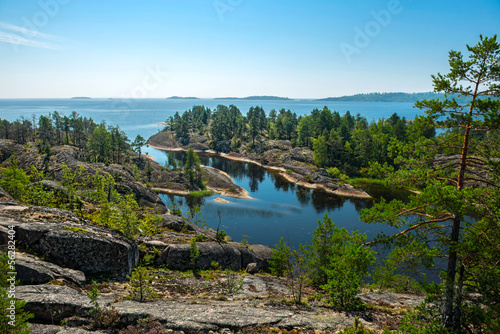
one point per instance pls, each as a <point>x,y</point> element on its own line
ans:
<point>31,270</point>
<point>6,198</point>
<point>68,240</point>
<point>51,304</point>
<point>230,255</point>
<point>126,183</point>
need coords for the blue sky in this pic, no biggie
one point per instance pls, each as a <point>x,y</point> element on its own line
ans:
<point>218,48</point>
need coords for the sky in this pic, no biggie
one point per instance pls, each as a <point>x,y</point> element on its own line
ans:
<point>232,48</point>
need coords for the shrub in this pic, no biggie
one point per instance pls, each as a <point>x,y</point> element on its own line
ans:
<point>140,285</point>
<point>194,253</point>
<point>233,283</point>
<point>14,180</point>
<point>337,262</point>
<point>335,173</point>
<point>280,262</point>
<point>220,236</point>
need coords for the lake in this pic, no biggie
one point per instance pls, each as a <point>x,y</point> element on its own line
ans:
<point>278,208</point>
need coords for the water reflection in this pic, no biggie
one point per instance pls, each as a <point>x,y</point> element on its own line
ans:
<point>278,208</point>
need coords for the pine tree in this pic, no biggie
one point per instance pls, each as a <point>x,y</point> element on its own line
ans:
<point>456,172</point>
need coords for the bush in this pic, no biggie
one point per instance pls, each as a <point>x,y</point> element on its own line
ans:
<point>335,173</point>
<point>14,180</point>
<point>280,262</point>
<point>337,263</point>
<point>140,285</point>
<point>101,318</point>
<point>194,253</point>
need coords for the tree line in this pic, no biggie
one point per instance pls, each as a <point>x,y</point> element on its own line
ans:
<point>349,143</point>
<point>96,141</point>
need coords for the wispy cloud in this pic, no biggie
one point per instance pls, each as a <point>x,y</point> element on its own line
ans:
<point>16,35</point>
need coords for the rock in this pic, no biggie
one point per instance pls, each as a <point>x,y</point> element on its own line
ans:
<point>51,166</point>
<point>178,256</point>
<point>164,138</point>
<point>6,198</point>
<point>252,268</point>
<point>78,246</point>
<point>199,147</point>
<point>223,146</point>
<point>52,303</point>
<point>229,255</point>
<point>176,223</point>
<point>50,185</point>
<point>322,172</point>
<point>259,254</point>
<point>32,270</point>
<point>282,145</point>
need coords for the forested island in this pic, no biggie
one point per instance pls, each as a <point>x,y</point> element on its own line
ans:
<point>394,97</point>
<point>181,98</point>
<point>96,249</point>
<point>255,98</point>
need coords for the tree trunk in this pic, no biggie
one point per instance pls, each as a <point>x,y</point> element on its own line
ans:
<point>450,274</point>
<point>448,312</point>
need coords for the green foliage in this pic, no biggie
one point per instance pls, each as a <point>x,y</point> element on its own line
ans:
<point>335,173</point>
<point>192,168</point>
<point>140,285</point>
<point>93,294</point>
<point>194,253</point>
<point>338,262</point>
<point>232,283</point>
<point>201,193</point>
<point>101,317</point>
<point>75,229</point>
<point>220,236</point>
<point>357,328</point>
<point>71,181</point>
<point>14,180</point>
<point>376,170</point>
<point>137,144</point>
<point>280,262</point>
<point>214,265</point>
<point>320,152</point>
<point>171,162</point>
<point>14,319</point>
<point>457,209</point>
<point>200,237</point>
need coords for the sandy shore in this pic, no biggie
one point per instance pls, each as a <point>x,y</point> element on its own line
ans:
<point>353,193</point>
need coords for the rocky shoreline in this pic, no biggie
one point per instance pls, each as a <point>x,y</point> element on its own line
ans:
<point>295,168</point>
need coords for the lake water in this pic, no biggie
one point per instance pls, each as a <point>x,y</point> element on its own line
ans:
<point>278,208</point>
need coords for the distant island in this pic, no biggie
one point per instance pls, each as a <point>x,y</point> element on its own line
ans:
<point>181,98</point>
<point>81,98</point>
<point>386,97</point>
<point>255,98</point>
